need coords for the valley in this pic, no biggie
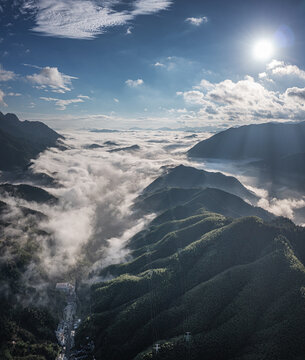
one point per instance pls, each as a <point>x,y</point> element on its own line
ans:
<point>167,257</point>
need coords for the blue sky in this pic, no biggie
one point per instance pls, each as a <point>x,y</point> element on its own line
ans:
<point>152,63</point>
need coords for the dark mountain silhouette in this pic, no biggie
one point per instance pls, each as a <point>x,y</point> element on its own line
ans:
<point>128,148</point>
<point>189,177</point>
<point>21,141</point>
<point>264,141</point>
<point>93,146</point>
<point>28,193</point>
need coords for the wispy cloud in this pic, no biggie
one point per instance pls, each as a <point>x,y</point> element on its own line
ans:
<point>2,102</point>
<point>86,19</point>
<point>50,77</point>
<point>6,75</point>
<point>197,21</point>
<point>146,7</point>
<point>134,83</point>
<point>63,103</point>
<point>13,94</point>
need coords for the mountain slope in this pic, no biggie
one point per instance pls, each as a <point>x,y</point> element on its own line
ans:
<point>264,141</point>
<point>21,141</point>
<point>189,177</point>
<point>28,193</point>
<point>236,285</point>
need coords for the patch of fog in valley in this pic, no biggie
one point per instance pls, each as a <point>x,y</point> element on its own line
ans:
<point>96,188</point>
<point>279,200</point>
<point>89,228</point>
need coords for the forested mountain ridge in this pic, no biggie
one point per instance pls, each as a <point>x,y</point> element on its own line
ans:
<point>236,285</point>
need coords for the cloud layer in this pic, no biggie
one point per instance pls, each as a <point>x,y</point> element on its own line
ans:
<point>85,19</point>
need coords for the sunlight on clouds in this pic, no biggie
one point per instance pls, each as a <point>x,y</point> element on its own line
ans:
<point>249,100</point>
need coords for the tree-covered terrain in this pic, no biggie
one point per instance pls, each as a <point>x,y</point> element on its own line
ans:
<point>30,307</point>
<point>235,283</point>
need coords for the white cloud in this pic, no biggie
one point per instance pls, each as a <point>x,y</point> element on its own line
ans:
<point>281,207</point>
<point>280,68</point>
<point>197,21</point>
<point>13,94</point>
<point>6,75</point>
<point>298,93</point>
<point>245,101</point>
<point>134,83</point>
<point>85,19</point>
<point>194,97</point>
<point>63,103</point>
<point>52,78</point>
<point>2,102</point>
<point>262,75</point>
<point>158,64</point>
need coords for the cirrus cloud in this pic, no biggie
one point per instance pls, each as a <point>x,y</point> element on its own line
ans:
<point>86,19</point>
<point>63,103</point>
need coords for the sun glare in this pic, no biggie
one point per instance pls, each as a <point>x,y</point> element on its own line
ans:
<point>263,50</point>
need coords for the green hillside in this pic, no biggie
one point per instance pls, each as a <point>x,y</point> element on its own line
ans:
<point>236,284</point>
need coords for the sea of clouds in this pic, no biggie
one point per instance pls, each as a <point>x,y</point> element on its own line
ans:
<point>96,187</point>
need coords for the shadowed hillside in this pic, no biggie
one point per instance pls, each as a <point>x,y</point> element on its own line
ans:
<point>190,178</point>
<point>264,141</point>
<point>20,141</point>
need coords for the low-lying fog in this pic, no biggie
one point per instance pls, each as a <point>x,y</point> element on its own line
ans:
<point>96,186</point>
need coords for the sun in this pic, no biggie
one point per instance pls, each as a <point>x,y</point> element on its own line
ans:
<point>263,50</point>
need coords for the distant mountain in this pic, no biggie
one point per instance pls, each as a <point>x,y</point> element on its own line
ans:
<point>263,142</point>
<point>190,178</point>
<point>93,146</point>
<point>21,141</point>
<point>128,148</point>
<point>104,131</point>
